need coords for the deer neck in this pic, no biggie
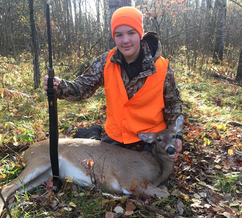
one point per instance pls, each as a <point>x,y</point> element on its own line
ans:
<point>166,163</point>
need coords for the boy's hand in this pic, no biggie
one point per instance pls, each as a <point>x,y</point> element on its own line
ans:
<point>55,85</point>
<point>179,149</point>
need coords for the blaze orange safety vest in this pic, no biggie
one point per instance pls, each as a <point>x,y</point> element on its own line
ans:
<point>140,114</point>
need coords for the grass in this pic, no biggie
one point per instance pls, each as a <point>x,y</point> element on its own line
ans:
<point>227,182</point>
<point>206,173</point>
<point>213,101</point>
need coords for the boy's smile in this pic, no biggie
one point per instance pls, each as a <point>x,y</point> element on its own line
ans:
<point>127,40</point>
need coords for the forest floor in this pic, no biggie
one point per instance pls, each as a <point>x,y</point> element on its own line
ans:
<point>207,180</point>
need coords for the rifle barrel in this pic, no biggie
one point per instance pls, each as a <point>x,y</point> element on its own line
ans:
<point>49,34</point>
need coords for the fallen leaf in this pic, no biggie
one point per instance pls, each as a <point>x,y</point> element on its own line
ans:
<point>135,181</point>
<point>118,209</point>
<point>218,167</point>
<point>230,152</point>
<point>53,202</point>
<point>144,184</point>
<point>72,204</point>
<point>130,206</point>
<point>109,215</point>
<point>69,180</point>
<point>49,184</point>
<point>90,163</point>
<point>222,127</point>
<point>134,188</point>
<point>68,209</point>
<point>180,207</point>
<point>49,194</point>
<point>123,199</point>
<point>226,214</point>
<point>128,213</point>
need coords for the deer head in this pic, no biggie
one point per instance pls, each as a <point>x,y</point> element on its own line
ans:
<point>164,141</point>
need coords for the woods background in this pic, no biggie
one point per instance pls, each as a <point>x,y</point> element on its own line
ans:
<point>195,29</point>
<point>201,39</point>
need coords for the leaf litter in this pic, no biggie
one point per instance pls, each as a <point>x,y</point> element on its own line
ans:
<point>206,181</point>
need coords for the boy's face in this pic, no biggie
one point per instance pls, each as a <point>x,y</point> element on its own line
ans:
<point>127,40</point>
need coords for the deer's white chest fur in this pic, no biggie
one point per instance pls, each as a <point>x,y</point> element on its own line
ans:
<point>68,169</point>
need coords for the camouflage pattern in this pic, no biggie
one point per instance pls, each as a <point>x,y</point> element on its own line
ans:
<point>84,86</point>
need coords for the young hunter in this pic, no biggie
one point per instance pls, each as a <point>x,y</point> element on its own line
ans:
<point>140,88</point>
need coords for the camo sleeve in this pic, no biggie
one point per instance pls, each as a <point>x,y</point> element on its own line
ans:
<point>172,99</point>
<point>84,86</point>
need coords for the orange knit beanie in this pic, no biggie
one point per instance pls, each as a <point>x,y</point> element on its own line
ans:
<point>129,16</point>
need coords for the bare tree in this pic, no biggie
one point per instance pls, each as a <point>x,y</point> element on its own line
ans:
<point>113,6</point>
<point>191,28</point>
<point>106,23</point>
<point>220,33</point>
<point>35,41</point>
<point>239,70</point>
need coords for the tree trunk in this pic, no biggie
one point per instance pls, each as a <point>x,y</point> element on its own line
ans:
<point>79,27</point>
<point>35,41</point>
<point>220,35</point>
<point>106,24</point>
<point>239,70</point>
<point>187,38</point>
<point>98,23</point>
<point>113,6</point>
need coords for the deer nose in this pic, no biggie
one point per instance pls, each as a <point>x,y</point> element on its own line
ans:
<point>170,151</point>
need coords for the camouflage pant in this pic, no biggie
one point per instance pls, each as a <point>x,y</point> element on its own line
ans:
<point>137,146</point>
<point>96,132</point>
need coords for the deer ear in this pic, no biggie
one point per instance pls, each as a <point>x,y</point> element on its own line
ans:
<point>147,137</point>
<point>179,123</point>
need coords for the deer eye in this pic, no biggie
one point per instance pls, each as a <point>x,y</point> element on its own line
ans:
<point>159,140</point>
<point>173,136</point>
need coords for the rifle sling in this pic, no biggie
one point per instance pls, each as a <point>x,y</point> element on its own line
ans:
<point>53,125</point>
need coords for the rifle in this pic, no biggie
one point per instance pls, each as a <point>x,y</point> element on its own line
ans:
<point>53,116</point>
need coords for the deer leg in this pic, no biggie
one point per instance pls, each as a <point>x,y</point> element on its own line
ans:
<point>152,190</point>
<point>28,178</point>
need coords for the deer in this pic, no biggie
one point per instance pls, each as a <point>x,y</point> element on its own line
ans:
<point>117,166</point>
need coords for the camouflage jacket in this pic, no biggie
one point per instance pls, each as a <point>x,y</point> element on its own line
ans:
<point>84,86</point>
